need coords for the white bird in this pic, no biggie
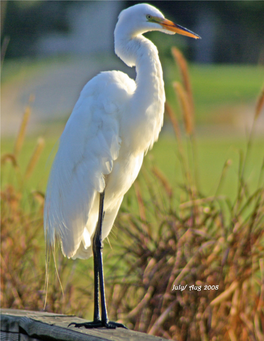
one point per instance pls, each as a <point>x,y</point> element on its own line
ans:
<point>114,123</point>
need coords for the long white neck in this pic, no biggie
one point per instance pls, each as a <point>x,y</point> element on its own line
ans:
<point>147,103</point>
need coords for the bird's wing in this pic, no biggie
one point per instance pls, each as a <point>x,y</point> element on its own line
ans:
<point>88,147</point>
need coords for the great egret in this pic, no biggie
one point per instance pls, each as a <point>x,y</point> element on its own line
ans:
<point>113,124</point>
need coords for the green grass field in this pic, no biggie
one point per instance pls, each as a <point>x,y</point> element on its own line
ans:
<point>211,155</point>
<point>217,89</point>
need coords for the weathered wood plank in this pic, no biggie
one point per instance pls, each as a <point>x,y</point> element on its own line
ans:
<point>33,326</point>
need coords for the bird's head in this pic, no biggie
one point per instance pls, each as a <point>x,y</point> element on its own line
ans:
<point>142,18</point>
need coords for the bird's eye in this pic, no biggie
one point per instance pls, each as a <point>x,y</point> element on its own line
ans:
<point>148,16</point>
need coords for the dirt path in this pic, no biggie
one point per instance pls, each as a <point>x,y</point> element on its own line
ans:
<point>55,87</point>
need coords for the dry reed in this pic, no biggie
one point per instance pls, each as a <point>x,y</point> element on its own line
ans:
<point>34,157</point>
<point>260,104</point>
<point>22,270</point>
<point>197,273</point>
<point>22,130</point>
<point>173,120</point>
<point>185,107</point>
<point>218,260</point>
<point>183,68</point>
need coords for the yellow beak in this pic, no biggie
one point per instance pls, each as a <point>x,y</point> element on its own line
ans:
<point>169,25</point>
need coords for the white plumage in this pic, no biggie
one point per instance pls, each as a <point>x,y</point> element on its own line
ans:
<point>113,124</point>
<point>88,150</point>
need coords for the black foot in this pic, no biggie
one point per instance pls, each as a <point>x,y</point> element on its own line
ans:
<point>98,324</point>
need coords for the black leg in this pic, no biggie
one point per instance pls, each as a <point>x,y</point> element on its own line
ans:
<point>96,288</point>
<point>99,278</point>
<point>98,247</point>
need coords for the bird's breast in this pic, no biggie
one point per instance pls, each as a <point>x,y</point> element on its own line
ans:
<point>123,175</point>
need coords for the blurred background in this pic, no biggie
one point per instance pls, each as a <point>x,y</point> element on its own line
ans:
<point>50,49</point>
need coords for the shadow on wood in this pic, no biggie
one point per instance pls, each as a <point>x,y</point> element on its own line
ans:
<point>33,326</point>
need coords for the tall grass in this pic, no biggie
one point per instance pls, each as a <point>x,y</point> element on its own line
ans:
<point>196,272</point>
<point>188,270</point>
<point>22,251</point>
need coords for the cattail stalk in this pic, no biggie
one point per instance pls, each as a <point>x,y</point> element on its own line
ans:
<point>260,104</point>
<point>185,107</point>
<point>9,158</point>
<point>161,177</point>
<point>183,67</point>
<point>225,295</point>
<point>173,120</point>
<point>141,205</point>
<point>22,130</point>
<point>35,157</point>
